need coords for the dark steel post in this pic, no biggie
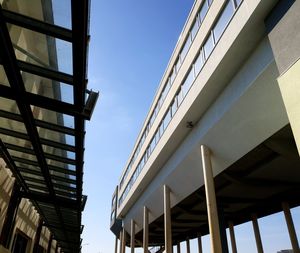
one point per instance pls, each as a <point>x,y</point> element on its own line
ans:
<point>10,218</point>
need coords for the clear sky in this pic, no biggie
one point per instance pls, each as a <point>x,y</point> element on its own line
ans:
<point>131,43</point>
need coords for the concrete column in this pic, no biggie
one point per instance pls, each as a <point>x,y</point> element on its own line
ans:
<point>291,227</point>
<point>199,244</point>
<point>257,234</point>
<point>232,237</point>
<point>121,240</point>
<point>188,249</point>
<point>116,244</point>
<point>178,247</point>
<point>167,220</point>
<point>132,236</point>
<point>212,211</point>
<point>146,230</point>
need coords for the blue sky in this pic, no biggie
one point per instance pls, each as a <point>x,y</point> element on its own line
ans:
<point>131,43</point>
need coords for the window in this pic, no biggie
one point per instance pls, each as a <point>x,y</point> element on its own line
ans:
<point>223,20</point>
<point>195,27</point>
<point>174,107</point>
<point>186,47</point>
<point>188,82</point>
<point>20,243</point>
<point>173,75</point>
<point>203,11</point>
<point>199,63</point>
<point>208,46</point>
<point>167,118</point>
<point>179,97</point>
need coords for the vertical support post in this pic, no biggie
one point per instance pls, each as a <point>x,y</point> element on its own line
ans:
<point>116,244</point>
<point>10,217</point>
<point>121,240</point>
<point>132,236</point>
<point>232,237</point>
<point>146,230</point>
<point>199,244</point>
<point>167,220</point>
<point>188,249</point>
<point>257,234</point>
<point>178,247</point>
<point>50,244</point>
<point>212,211</point>
<point>38,236</point>
<point>291,227</point>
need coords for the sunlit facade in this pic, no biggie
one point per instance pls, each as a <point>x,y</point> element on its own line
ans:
<point>223,124</point>
<point>44,103</point>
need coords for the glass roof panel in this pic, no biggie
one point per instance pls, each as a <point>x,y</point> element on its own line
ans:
<point>22,155</point>
<point>52,117</point>
<point>28,166</point>
<point>57,12</point>
<point>13,125</point>
<point>28,175</point>
<point>58,152</point>
<point>3,77</point>
<point>56,136</point>
<point>60,164</point>
<point>9,105</point>
<point>48,88</point>
<point>41,50</point>
<point>16,141</point>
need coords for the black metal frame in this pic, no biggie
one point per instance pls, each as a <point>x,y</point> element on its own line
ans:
<point>58,199</point>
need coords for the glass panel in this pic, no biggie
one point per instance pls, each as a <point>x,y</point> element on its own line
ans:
<point>199,63</point>
<point>186,47</point>
<point>28,175</point>
<point>16,141</point>
<point>23,155</point>
<point>52,117</point>
<point>203,11</point>
<point>58,152</point>
<point>28,166</point>
<point>188,82</point>
<point>56,12</point>
<point>13,125</point>
<point>167,118</point>
<point>174,107</point>
<point>173,75</point>
<point>49,88</point>
<point>223,20</point>
<point>179,97</point>
<point>34,189</point>
<point>208,46</point>
<point>42,50</point>
<point>56,136</point>
<point>3,77</point>
<point>178,65</point>
<point>41,184</point>
<point>195,28</point>
<point>238,2</point>
<point>9,105</point>
<point>60,164</point>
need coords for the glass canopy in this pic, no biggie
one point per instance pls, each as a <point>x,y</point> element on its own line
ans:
<point>43,107</point>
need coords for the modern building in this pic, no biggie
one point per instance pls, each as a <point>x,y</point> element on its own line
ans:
<point>44,103</point>
<point>220,144</point>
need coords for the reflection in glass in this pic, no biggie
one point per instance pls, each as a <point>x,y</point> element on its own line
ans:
<point>203,10</point>
<point>199,63</point>
<point>56,136</point>
<point>49,88</point>
<point>23,155</point>
<point>57,12</point>
<point>208,46</point>
<point>3,77</point>
<point>223,20</point>
<point>16,141</point>
<point>41,49</point>
<point>9,105</point>
<point>52,117</point>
